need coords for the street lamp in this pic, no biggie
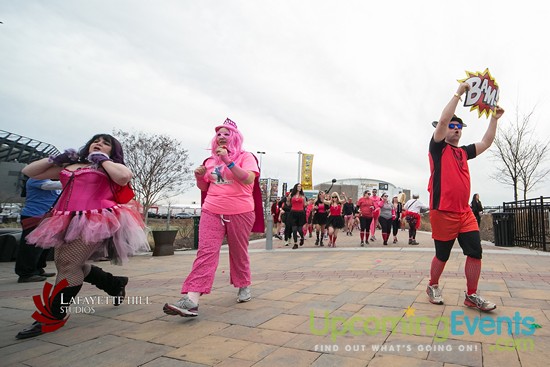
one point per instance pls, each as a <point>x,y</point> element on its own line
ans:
<point>261,155</point>
<point>299,167</point>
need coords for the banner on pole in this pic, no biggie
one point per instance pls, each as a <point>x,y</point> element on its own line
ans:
<point>274,188</point>
<point>307,165</point>
<point>263,187</point>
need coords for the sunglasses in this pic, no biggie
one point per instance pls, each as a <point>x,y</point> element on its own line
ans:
<point>458,126</point>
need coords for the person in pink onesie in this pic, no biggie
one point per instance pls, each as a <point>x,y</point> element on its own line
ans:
<point>232,207</point>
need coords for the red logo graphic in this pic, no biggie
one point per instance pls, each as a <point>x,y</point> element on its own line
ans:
<point>483,93</point>
<point>44,305</point>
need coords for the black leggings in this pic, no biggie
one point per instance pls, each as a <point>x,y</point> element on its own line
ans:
<point>385,223</point>
<point>469,241</point>
<point>395,224</point>
<point>364,223</point>
<point>412,231</point>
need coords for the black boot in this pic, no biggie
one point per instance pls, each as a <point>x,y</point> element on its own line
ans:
<point>55,320</point>
<point>112,285</point>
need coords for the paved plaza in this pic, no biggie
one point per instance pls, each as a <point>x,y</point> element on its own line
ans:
<point>343,306</point>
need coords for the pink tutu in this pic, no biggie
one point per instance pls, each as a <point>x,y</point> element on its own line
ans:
<point>95,227</point>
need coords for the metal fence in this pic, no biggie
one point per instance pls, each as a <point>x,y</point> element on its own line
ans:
<point>531,221</point>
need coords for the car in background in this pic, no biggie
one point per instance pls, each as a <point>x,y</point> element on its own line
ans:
<point>183,215</point>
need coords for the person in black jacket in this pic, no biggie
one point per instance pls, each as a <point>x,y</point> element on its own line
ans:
<point>477,208</point>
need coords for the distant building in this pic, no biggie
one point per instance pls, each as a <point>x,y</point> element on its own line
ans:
<point>354,187</point>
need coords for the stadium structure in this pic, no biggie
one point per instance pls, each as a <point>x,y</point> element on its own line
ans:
<point>16,152</point>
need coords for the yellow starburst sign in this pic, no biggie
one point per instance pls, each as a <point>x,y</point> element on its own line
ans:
<point>483,94</point>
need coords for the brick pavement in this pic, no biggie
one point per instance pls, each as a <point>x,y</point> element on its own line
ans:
<point>373,295</point>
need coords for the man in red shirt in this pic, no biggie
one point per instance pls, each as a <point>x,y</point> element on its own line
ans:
<point>450,213</point>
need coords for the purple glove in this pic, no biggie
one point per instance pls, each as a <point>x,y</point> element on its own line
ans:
<point>67,157</point>
<point>98,158</point>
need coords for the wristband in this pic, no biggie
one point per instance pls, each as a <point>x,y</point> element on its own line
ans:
<point>457,96</point>
<point>231,165</point>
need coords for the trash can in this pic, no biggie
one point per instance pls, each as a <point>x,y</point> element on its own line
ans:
<point>196,220</point>
<point>504,229</point>
<point>9,241</point>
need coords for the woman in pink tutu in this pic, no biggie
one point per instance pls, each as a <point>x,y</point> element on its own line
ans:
<point>86,223</point>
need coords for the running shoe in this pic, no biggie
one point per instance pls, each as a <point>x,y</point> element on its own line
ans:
<point>476,301</point>
<point>435,295</point>
<point>184,307</point>
<point>244,295</point>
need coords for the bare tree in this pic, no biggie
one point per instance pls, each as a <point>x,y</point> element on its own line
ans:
<point>160,166</point>
<point>519,155</point>
<point>531,170</point>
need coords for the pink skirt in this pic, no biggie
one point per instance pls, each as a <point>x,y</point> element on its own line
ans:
<point>119,227</point>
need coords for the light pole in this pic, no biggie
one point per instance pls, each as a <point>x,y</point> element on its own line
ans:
<point>299,167</point>
<point>267,186</point>
<point>261,155</point>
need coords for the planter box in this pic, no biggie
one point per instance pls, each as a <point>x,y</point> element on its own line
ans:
<point>164,242</point>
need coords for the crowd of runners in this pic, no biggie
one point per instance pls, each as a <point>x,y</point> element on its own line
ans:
<point>295,217</point>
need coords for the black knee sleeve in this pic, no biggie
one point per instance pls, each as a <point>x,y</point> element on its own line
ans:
<point>471,244</point>
<point>443,249</point>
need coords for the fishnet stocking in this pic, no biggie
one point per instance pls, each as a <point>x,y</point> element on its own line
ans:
<point>70,260</point>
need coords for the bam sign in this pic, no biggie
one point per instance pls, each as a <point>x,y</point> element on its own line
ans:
<point>483,93</point>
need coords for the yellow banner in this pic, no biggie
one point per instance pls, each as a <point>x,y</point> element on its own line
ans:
<point>307,166</point>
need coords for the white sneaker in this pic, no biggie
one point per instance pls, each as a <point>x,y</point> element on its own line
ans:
<point>435,295</point>
<point>184,307</point>
<point>244,295</point>
<point>476,301</point>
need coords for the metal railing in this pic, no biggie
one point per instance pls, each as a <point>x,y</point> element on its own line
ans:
<point>531,222</point>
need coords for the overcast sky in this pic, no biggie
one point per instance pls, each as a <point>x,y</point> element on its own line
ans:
<point>356,83</point>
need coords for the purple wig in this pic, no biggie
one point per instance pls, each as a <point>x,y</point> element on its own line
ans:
<point>117,155</point>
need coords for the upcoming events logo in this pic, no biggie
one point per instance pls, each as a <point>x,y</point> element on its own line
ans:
<point>442,327</point>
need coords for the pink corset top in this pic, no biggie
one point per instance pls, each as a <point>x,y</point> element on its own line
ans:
<point>89,189</point>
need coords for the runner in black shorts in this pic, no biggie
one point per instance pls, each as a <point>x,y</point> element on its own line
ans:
<point>450,213</point>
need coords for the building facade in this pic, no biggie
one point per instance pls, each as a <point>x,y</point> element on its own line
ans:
<point>354,187</point>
